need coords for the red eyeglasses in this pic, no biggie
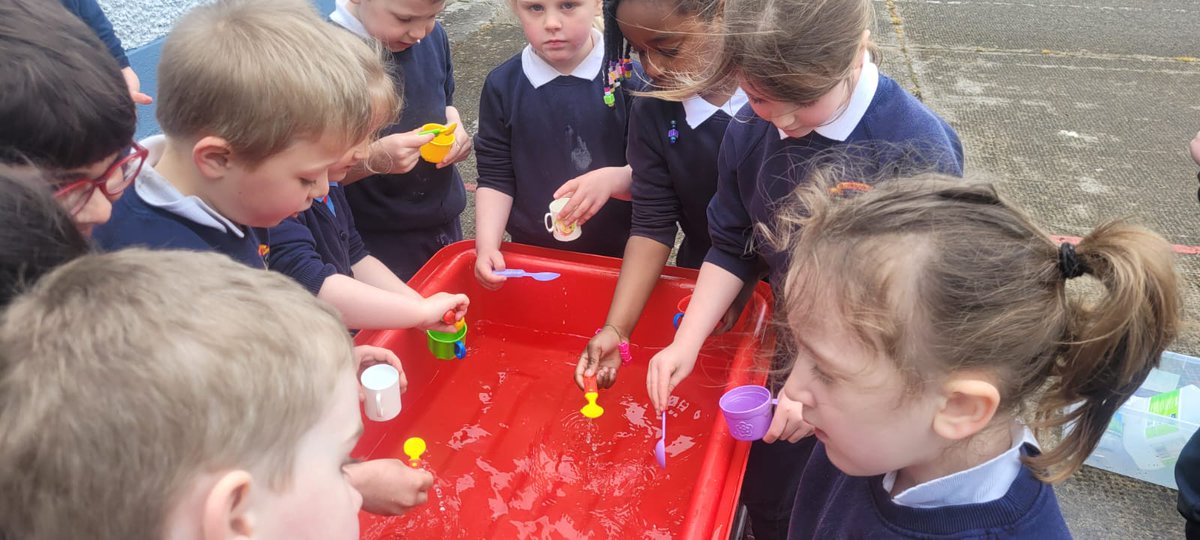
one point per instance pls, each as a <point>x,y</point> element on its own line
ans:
<point>75,194</point>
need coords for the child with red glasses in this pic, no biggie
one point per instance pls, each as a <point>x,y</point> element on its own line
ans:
<point>79,138</point>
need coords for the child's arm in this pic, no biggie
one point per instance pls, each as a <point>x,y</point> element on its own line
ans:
<point>367,307</point>
<point>492,208</point>
<point>373,272</point>
<point>388,486</point>
<point>462,140</point>
<point>1195,148</point>
<point>643,263</point>
<point>589,191</point>
<point>397,153</point>
<point>497,184</point>
<point>715,291</point>
<point>731,262</point>
<point>90,12</point>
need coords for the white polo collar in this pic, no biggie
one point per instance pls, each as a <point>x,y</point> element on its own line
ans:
<point>158,192</point>
<point>842,126</point>
<point>982,483</point>
<point>540,72</point>
<point>346,19</point>
<point>698,110</point>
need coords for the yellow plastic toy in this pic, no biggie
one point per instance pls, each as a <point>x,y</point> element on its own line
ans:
<point>413,448</point>
<point>591,392</point>
<point>436,150</point>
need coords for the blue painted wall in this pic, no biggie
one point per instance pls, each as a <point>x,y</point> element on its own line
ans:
<point>144,58</point>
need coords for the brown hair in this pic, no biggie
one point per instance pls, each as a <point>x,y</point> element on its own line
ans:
<point>793,51</point>
<point>65,103</point>
<point>944,275</point>
<point>262,75</point>
<point>124,376</point>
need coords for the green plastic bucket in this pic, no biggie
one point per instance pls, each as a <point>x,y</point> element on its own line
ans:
<point>448,345</point>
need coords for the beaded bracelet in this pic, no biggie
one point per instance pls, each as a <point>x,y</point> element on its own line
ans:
<point>622,346</point>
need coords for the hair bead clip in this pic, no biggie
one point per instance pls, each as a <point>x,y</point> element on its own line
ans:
<point>847,188</point>
<point>627,67</point>
<point>672,134</point>
<point>609,99</point>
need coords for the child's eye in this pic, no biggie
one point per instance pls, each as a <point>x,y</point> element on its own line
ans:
<point>308,182</point>
<point>535,8</point>
<point>756,101</point>
<point>567,6</point>
<point>821,375</point>
<point>669,53</point>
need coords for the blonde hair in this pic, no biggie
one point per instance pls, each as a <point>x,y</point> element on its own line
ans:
<point>943,275</point>
<point>123,376</point>
<point>793,51</point>
<point>262,75</point>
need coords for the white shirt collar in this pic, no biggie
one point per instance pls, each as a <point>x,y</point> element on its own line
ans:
<point>841,127</point>
<point>985,482</point>
<point>158,192</point>
<point>697,110</point>
<point>540,72</point>
<point>344,18</point>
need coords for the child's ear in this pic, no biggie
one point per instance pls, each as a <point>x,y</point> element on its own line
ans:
<point>213,156</point>
<point>227,508</point>
<point>969,403</point>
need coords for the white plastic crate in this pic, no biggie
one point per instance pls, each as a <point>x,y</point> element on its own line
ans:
<point>1144,438</point>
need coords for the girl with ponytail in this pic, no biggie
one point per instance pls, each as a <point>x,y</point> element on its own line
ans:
<point>928,317</point>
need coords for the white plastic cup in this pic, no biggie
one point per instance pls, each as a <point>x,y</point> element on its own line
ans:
<point>382,385</point>
<point>562,232</point>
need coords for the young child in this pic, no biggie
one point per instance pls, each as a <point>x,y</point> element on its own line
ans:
<point>235,155</point>
<point>814,92</point>
<point>672,151</point>
<point>832,97</point>
<point>321,248</point>
<point>925,315</point>
<point>36,234</point>
<point>237,423</point>
<point>553,123</point>
<point>66,110</point>
<point>410,209</point>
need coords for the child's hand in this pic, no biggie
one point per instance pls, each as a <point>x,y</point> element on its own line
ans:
<point>460,150</point>
<point>434,308</point>
<point>667,369</point>
<point>788,423</point>
<point>366,356</point>
<point>1195,147</point>
<point>600,358</point>
<point>389,487</point>
<point>398,153</point>
<point>486,264</point>
<point>135,87</point>
<point>588,192</point>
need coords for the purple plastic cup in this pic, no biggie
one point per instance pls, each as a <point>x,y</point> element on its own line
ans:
<point>747,410</point>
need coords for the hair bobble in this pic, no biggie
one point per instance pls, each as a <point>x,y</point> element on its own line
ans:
<point>1069,263</point>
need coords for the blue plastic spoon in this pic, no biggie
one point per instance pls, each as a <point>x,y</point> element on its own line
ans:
<point>539,276</point>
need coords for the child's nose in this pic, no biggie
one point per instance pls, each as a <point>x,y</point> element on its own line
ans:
<point>553,21</point>
<point>321,189</point>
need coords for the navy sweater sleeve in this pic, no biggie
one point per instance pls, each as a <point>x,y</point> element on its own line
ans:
<point>493,148</point>
<point>294,253</point>
<point>1187,477</point>
<point>730,224</point>
<point>656,205</point>
<point>90,12</point>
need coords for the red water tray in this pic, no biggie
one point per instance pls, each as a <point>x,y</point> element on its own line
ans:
<point>512,455</point>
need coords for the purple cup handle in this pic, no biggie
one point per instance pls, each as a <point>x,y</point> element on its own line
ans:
<point>774,401</point>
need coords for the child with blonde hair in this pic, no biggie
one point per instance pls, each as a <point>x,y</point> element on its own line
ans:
<point>322,249</point>
<point>235,154</point>
<point>126,415</point>
<point>926,317</point>
<point>407,208</point>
